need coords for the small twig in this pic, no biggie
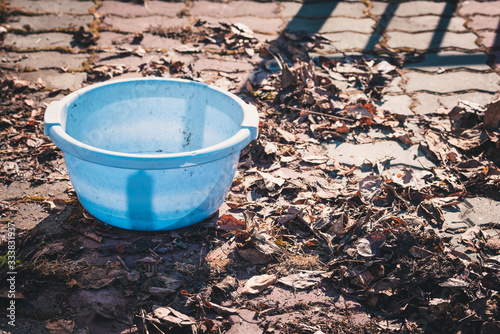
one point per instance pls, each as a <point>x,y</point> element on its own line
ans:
<point>153,252</point>
<point>122,262</point>
<point>321,114</point>
<point>144,321</point>
<point>152,323</point>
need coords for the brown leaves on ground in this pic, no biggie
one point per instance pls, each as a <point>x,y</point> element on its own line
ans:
<point>25,153</point>
<point>258,284</point>
<point>60,326</point>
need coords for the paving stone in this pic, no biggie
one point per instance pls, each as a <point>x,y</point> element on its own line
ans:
<point>397,104</point>
<point>393,86</point>
<point>40,41</point>
<point>432,40</point>
<point>137,24</point>
<point>348,41</point>
<point>435,62</point>
<point>490,39</point>
<point>412,8</point>
<point>53,6</point>
<point>43,60</point>
<point>267,37</point>
<point>482,22</point>
<point>480,7</point>
<point>233,9</point>
<point>56,80</point>
<point>355,155</point>
<point>322,10</point>
<point>332,24</point>
<point>130,9</point>
<point>110,39</point>
<point>477,211</point>
<point>453,226</point>
<point>257,24</point>
<point>429,103</point>
<point>481,211</point>
<point>132,62</point>
<point>223,64</point>
<point>496,58</point>
<point>426,23</point>
<point>50,21</point>
<point>452,82</point>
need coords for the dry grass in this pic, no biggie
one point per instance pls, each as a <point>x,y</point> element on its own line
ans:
<point>58,267</point>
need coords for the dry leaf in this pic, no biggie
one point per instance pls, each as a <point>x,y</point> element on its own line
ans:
<point>492,114</point>
<point>289,137</point>
<point>229,223</point>
<point>60,326</point>
<point>420,253</point>
<point>221,309</point>
<point>315,159</point>
<point>302,280</point>
<point>370,187</point>
<point>172,316</point>
<point>161,285</point>
<point>370,245</point>
<point>257,284</point>
<point>270,181</point>
<point>254,256</point>
<point>50,249</point>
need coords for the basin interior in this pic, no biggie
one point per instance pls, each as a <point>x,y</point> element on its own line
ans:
<point>152,116</point>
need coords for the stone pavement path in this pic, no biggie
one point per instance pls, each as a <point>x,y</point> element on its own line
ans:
<point>460,40</point>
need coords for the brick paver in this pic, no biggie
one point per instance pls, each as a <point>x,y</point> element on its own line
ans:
<point>53,6</point>
<point>40,41</point>
<point>343,41</point>
<point>412,8</point>
<point>482,22</point>
<point>431,40</point>
<point>447,60</point>
<point>43,60</point>
<point>223,64</point>
<point>257,24</point>
<point>55,79</point>
<point>332,24</point>
<point>110,39</point>
<point>50,22</point>
<point>397,104</point>
<point>138,24</point>
<point>322,10</point>
<point>452,82</point>
<point>234,9</point>
<point>426,23</point>
<point>480,7</point>
<point>130,9</point>
<point>496,59</point>
<point>489,39</point>
<point>429,103</point>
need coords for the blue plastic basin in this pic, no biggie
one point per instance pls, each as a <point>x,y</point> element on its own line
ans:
<point>151,153</point>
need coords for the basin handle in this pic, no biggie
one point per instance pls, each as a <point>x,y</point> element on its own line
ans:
<point>52,116</point>
<point>250,120</point>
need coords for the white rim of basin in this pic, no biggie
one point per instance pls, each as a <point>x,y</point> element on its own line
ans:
<point>53,128</point>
